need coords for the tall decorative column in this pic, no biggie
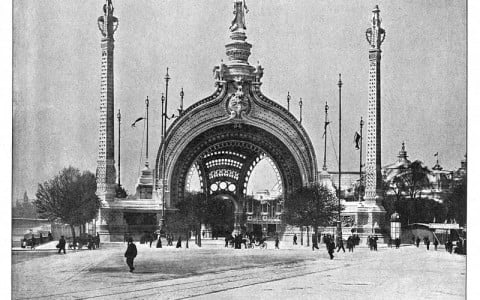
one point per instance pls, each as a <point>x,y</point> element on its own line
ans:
<point>106,174</point>
<point>373,172</point>
<point>375,36</point>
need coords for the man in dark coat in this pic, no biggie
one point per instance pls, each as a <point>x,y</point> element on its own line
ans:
<point>427,241</point>
<point>331,248</point>
<point>295,239</point>
<point>314,242</point>
<point>61,245</point>
<point>130,254</point>
<point>277,243</point>
<point>32,242</point>
<point>179,242</point>
<point>418,241</point>
<point>97,240</point>
<point>340,244</point>
<point>435,243</point>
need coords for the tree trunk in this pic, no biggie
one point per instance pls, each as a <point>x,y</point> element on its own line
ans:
<point>199,235</point>
<point>73,231</point>
<point>301,235</point>
<point>308,238</point>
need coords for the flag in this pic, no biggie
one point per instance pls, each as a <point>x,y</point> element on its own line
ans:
<point>325,128</point>
<point>356,139</point>
<point>137,120</point>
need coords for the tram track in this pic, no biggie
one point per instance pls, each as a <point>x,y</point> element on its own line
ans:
<point>187,290</point>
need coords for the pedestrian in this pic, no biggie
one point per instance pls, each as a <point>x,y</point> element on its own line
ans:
<point>61,245</point>
<point>331,248</point>
<point>295,239</point>
<point>314,242</point>
<point>277,243</point>
<point>427,241</point>
<point>50,236</point>
<point>90,244</point>
<point>350,244</point>
<point>97,240</point>
<point>41,238</point>
<point>340,244</point>
<point>150,239</point>
<point>435,243</point>
<point>418,241</point>
<point>375,238</point>
<point>397,243</point>
<point>131,253</point>
<point>32,242</point>
<point>159,241</point>
<point>179,242</point>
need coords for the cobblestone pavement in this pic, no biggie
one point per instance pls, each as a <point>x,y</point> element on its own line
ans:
<point>405,273</point>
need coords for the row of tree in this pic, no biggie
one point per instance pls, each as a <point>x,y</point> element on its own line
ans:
<point>70,197</point>
<point>407,186</point>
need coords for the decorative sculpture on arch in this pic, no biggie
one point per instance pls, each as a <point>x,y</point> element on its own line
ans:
<point>219,71</point>
<point>258,72</point>
<point>237,104</point>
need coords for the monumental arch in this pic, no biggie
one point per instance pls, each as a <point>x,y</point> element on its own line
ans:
<point>224,135</point>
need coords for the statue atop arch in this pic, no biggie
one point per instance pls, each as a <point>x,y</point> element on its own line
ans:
<point>239,10</point>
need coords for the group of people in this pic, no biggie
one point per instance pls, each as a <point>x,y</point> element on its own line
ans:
<point>249,241</point>
<point>32,241</point>
<point>395,242</point>
<point>92,242</point>
<point>352,242</point>
<point>372,242</point>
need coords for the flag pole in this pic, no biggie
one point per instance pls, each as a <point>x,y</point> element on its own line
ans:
<point>147,102</point>
<point>288,101</point>
<point>325,138</point>
<point>339,224</point>
<point>360,196</point>
<point>300,103</point>
<point>119,117</point>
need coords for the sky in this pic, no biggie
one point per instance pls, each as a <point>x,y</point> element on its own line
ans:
<point>302,45</point>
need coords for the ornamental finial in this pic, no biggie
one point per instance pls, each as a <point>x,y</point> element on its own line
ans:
<point>107,24</point>
<point>375,34</point>
<point>239,10</point>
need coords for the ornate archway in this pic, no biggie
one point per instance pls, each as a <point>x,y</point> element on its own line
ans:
<point>227,133</point>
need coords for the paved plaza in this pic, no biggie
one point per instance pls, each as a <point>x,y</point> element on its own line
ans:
<point>214,272</point>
